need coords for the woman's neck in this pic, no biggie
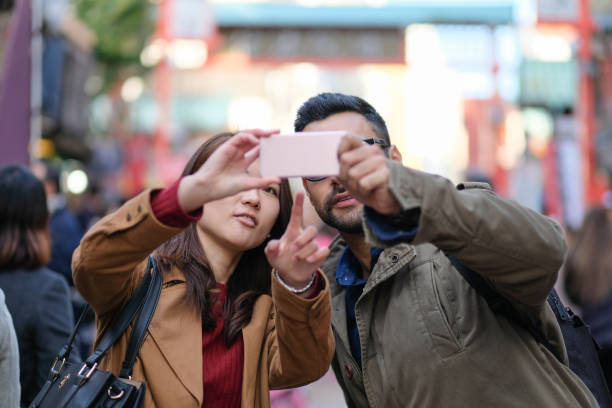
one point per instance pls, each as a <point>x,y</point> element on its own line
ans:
<point>221,258</point>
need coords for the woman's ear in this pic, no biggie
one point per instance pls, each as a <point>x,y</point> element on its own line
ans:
<point>394,154</point>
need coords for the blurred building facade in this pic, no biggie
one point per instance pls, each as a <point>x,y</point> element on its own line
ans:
<point>517,93</point>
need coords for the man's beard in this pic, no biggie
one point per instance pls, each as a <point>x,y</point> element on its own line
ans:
<point>350,223</point>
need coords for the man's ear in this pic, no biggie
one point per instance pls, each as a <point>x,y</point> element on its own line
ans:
<point>394,154</point>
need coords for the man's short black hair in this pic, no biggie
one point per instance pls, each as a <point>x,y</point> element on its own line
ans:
<point>326,104</point>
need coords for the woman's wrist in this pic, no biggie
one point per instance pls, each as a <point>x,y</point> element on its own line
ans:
<point>191,193</point>
<point>297,288</point>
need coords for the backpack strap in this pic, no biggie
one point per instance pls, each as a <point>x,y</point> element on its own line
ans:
<point>499,304</point>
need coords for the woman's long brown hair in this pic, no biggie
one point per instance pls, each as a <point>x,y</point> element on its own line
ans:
<point>251,277</point>
<point>589,262</point>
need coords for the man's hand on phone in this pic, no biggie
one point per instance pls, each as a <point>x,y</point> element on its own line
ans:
<point>364,172</point>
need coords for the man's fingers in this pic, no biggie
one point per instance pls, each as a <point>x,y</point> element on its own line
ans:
<point>348,143</point>
<point>355,156</point>
<point>373,180</point>
<point>365,167</point>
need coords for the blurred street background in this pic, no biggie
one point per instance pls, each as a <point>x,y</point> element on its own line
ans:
<point>117,94</point>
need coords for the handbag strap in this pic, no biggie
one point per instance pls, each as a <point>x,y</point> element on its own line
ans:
<point>123,320</point>
<point>64,353</point>
<point>142,323</point>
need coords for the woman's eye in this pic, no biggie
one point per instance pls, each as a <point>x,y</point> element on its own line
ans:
<point>271,190</point>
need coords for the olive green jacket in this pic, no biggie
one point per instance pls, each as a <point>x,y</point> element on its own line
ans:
<point>427,338</point>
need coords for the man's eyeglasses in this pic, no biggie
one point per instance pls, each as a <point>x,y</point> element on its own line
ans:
<point>383,145</point>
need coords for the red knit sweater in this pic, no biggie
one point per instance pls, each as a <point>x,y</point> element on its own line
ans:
<point>222,366</point>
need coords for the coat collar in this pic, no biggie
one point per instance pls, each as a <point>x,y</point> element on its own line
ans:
<point>253,335</point>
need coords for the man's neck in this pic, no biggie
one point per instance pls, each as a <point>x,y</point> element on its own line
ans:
<point>361,250</point>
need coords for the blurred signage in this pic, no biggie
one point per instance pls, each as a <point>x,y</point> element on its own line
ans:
<point>602,12</point>
<point>552,84</point>
<point>558,11</point>
<point>192,19</point>
<point>375,44</point>
<point>601,6</point>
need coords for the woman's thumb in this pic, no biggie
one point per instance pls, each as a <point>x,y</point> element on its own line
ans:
<point>272,247</point>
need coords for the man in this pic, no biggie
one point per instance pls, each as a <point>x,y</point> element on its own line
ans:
<point>410,331</point>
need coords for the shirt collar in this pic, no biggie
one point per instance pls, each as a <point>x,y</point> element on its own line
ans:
<point>348,268</point>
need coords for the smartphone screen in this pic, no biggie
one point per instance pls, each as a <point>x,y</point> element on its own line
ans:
<point>300,154</point>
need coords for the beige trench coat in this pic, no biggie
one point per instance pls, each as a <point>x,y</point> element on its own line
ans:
<point>287,343</point>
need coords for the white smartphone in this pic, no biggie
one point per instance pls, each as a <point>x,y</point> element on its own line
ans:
<point>300,154</point>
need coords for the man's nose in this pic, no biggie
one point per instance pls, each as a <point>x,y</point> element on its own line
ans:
<point>335,182</point>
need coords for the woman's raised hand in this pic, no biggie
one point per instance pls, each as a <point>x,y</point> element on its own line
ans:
<point>296,256</point>
<point>225,172</point>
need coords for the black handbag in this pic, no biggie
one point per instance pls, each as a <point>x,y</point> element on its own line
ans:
<point>83,385</point>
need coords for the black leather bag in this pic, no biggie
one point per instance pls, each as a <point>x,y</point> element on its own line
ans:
<point>83,385</point>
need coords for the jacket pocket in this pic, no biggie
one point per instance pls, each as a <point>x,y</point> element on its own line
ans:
<point>435,309</point>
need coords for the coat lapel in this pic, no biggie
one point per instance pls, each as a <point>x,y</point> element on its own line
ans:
<point>177,330</point>
<point>253,335</point>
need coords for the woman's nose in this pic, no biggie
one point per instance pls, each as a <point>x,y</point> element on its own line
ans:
<point>251,197</point>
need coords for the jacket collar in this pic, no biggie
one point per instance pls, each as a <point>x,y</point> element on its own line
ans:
<point>390,261</point>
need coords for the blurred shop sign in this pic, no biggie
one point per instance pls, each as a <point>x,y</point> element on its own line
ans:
<point>326,44</point>
<point>602,12</point>
<point>558,11</point>
<point>552,84</point>
<point>192,19</point>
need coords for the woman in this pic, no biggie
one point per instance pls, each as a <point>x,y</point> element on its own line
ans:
<point>217,339</point>
<point>37,298</point>
<point>588,279</point>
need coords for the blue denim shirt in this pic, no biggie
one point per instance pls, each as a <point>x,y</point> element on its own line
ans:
<point>348,271</point>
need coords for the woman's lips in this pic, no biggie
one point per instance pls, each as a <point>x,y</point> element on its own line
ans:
<point>246,220</point>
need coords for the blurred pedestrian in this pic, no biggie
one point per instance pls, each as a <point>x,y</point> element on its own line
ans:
<point>588,279</point>
<point>66,233</point>
<point>37,298</point>
<point>226,328</point>
<point>9,359</point>
<point>410,330</point>
<point>64,225</point>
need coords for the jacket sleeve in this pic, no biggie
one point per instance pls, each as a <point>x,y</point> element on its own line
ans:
<point>110,261</point>
<point>518,250</point>
<point>301,343</point>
